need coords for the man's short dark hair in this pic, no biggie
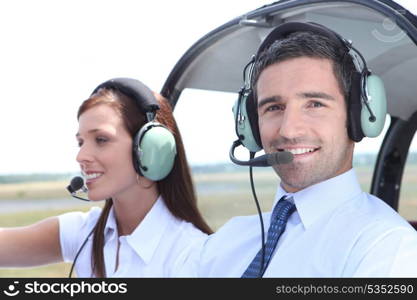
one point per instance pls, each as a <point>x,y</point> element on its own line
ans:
<point>308,44</point>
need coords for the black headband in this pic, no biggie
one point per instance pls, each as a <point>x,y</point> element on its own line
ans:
<point>134,89</point>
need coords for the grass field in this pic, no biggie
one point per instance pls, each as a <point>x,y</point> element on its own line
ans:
<point>221,196</point>
<point>34,190</point>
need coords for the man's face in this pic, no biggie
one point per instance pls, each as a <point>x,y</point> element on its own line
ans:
<point>302,110</point>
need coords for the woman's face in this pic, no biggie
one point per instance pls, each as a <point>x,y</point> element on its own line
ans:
<point>105,154</point>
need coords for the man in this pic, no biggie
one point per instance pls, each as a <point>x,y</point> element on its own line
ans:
<point>302,85</point>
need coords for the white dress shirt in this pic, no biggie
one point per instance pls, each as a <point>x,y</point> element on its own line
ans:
<point>336,231</point>
<point>158,247</point>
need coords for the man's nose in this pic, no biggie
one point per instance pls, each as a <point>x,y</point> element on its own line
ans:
<point>292,125</point>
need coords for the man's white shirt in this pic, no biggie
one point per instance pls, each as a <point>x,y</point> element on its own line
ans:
<point>337,230</point>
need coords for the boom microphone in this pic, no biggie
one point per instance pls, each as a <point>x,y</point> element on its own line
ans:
<point>266,160</point>
<point>76,184</point>
<point>278,158</point>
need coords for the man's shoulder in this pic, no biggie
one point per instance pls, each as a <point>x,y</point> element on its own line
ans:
<point>367,209</point>
<point>233,229</point>
<point>381,212</point>
<point>241,222</point>
<point>225,249</point>
<point>372,220</point>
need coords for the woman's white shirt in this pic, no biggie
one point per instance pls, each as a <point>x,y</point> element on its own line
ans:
<point>161,246</point>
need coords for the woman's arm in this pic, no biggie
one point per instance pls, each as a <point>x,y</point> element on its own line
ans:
<point>32,245</point>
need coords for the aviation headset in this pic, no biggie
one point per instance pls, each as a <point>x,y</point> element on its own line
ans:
<point>367,105</point>
<point>154,147</point>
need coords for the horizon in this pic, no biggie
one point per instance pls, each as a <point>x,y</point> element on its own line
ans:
<point>226,165</point>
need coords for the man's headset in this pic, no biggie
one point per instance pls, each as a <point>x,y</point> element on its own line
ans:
<point>154,148</point>
<point>367,105</point>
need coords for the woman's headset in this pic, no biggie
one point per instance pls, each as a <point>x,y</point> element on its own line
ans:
<point>367,105</point>
<point>154,147</point>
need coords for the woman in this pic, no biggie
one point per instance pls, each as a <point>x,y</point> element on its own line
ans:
<point>150,224</point>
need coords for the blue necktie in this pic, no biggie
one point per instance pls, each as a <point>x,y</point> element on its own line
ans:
<point>280,215</point>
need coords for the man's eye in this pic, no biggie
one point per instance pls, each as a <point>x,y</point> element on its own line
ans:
<point>317,104</point>
<point>274,107</point>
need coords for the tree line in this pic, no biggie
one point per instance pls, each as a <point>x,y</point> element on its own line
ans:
<point>363,159</point>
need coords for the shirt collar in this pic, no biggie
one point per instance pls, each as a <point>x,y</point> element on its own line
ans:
<point>145,238</point>
<point>111,225</point>
<point>323,197</point>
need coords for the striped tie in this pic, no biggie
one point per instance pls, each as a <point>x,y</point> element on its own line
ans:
<point>280,215</point>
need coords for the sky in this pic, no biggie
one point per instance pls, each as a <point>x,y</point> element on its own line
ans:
<point>54,53</point>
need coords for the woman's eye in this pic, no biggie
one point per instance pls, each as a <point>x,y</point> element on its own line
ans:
<point>80,143</point>
<point>101,140</point>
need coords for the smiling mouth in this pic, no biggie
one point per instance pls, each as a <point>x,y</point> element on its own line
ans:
<point>299,151</point>
<point>90,177</point>
<point>93,176</point>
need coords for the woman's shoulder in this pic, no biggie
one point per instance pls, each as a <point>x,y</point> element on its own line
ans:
<point>77,220</point>
<point>186,234</point>
<point>160,215</point>
<point>186,245</point>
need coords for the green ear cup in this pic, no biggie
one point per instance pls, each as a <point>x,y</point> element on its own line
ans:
<point>377,102</point>
<point>157,152</point>
<point>243,127</point>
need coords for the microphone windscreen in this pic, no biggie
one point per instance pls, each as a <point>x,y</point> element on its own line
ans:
<point>77,183</point>
<point>282,157</point>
